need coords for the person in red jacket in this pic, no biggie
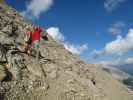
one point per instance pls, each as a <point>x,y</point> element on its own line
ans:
<point>36,34</point>
<point>35,37</point>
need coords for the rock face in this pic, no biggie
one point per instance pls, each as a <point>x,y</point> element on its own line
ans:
<point>59,75</point>
<point>2,1</point>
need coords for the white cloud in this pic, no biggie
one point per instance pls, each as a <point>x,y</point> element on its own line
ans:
<point>117,62</point>
<point>129,60</point>
<point>110,5</point>
<point>59,37</point>
<point>116,28</point>
<point>119,46</point>
<point>35,7</point>
<point>56,34</point>
<point>76,49</point>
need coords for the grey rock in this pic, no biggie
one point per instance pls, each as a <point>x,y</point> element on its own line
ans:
<point>2,73</point>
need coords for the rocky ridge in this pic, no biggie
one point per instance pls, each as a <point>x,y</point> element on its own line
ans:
<point>59,75</point>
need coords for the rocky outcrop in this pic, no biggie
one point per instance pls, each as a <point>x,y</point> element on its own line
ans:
<point>2,1</point>
<point>59,75</point>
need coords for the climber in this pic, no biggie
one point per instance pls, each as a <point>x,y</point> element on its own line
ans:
<point>34,38</point>
<point>37,35</point>
<point>27,39</point>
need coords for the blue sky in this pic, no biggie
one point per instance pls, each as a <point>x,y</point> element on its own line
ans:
<point>92,27</point>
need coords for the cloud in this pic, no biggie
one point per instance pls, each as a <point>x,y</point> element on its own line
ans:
<point>117,62</point>
<point>129,60</point>
<point>59,37</point>
<point>110,5</point>
<point>35,7</point>
<point>119,46</point>
<point>96,54</point>
<point>56,34</point>
<point>116,28</point>
<point>76,49</point>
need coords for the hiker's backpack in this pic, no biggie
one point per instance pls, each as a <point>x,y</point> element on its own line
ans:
<point>44,35</point>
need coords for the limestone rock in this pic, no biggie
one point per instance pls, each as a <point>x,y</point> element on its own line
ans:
<point>2,73</point>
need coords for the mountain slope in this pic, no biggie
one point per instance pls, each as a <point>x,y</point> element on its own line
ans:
<point>59,75</point>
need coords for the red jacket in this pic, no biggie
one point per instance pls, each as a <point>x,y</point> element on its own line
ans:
<point>36,34</point>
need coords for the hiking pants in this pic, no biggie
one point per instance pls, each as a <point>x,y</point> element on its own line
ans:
<point>37,49</point>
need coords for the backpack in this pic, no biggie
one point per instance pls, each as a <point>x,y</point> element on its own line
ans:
<point>44,35</point>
